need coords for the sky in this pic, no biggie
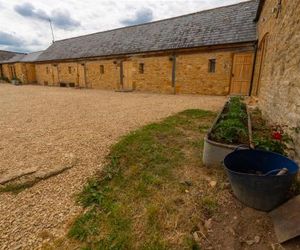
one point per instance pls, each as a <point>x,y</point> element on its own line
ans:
<point>24,24</point>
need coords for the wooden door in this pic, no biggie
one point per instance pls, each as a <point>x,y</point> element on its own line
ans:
<point>81,75</point>
<point>55,75</point>
<point>241,73</point>
<point>127,75</point>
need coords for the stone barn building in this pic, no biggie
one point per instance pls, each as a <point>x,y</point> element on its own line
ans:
<point>4,56</point>
<point>21,67</point>
<point>209,52</point>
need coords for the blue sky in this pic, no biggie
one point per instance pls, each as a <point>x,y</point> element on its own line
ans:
<point>24,25</point>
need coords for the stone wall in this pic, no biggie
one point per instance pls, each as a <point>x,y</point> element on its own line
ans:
<point>191,74</point>
<point>6,71</point>
<point>109,78</point>
<point>67,72</point>
<point>193,77</point>
<point>279,81</point>
<point>44,74</point>
<point>157,75</point>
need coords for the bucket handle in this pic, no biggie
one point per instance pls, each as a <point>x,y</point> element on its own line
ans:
<point>241,147</point>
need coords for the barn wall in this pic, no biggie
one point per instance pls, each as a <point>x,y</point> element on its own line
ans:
<point>191,74</point>
<point>67,72</point>
<point>42,76</point>
<point>6,71</point>
<point>193,77</point>
<point>157,76</point>
<point>279,83</point>
<point>19,71</point>
<point>109,79</point>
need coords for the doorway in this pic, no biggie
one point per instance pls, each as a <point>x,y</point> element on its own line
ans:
<point>81,75</point>
<point>241,73</point>
<point>55,74</point>
<point>127,75</point>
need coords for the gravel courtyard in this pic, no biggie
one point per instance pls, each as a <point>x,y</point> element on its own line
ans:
<point>46,127</point>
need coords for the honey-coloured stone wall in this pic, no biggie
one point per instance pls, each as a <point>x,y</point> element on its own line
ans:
<point>278,86</point>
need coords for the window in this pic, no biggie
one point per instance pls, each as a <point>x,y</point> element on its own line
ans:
<point>70,69</point>
<point>212,65</point>
<point>101,69</point>
<point>47,70</point>
<point>141,68</point>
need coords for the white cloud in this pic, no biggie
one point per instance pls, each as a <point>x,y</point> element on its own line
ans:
<point>73,18</point>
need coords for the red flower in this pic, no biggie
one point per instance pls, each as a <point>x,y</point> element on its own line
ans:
<point>277,135</point>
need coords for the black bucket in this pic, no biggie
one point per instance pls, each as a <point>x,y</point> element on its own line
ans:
<point>252,175</point>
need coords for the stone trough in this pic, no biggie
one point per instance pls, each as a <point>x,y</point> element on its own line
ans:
<point>215,152</point>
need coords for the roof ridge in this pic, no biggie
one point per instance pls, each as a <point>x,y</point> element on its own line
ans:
<point>157,21</point>
<point>3,50</point>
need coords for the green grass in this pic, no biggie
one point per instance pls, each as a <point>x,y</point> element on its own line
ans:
<point>129,205</point>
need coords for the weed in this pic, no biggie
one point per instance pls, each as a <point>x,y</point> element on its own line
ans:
<point>84,226</point>
<point>209,206</point>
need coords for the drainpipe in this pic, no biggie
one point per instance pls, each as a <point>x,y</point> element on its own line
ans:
<point>58,79</point>
<point>253,68</point>
<point>173,58</point>
<point>85,82</point>
<point>121,74</point>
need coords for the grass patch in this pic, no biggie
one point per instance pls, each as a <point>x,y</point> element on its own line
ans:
<point>131,204</point>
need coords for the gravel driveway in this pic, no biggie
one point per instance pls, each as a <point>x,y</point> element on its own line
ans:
<point>44,127</point>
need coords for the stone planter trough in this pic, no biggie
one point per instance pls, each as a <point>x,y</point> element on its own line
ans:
<point>215,152</point>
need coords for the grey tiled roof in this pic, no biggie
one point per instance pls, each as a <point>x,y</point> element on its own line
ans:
<point>14,59</point>
<point>224,25</point>
<point>5,55</point>
<point>31,57</point>
<point>22,57</point>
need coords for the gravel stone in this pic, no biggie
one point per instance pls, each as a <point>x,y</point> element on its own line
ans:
<point>45,127</point>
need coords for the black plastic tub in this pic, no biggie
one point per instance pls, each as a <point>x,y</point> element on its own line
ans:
<point>254,180</point>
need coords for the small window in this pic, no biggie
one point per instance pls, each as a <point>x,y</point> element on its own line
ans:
<point>70,69</point>
<point>101,69</point>
<point>212,65</point>
<point>141,68</point>
<point>47,70</point>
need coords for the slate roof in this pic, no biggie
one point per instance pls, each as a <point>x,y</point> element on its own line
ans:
<point>31,57</point>
<point>5,55</point>
<point>224,25</point>
<point>22,57</point>
<point>14,59</point>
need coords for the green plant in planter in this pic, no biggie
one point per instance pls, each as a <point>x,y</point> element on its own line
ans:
<point>231,131</point>
<point>232,125</point>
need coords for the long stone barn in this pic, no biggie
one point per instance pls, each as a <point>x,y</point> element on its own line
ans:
<point>209,52</point>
